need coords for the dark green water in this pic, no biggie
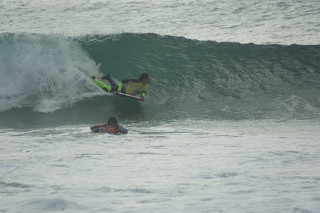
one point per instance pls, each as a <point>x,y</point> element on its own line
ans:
<point>190,79</point>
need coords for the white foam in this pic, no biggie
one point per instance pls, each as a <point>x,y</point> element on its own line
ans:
<point>45,73</point>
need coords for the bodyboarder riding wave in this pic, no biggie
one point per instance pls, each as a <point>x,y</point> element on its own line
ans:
<point>132,87</point>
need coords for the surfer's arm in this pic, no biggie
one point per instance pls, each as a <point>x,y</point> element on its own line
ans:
<point>96,127</point>
<point>144,93</point>
<point>123,130</point>
<point>145,90</point>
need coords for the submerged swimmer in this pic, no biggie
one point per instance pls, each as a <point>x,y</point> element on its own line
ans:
<point>112,127</point>
<point>128,86</point>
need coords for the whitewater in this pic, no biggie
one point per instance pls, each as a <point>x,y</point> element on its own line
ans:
<point>231,121</point>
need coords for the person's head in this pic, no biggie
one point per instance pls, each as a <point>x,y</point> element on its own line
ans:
<point>144,78</point>
<point>112,121</point>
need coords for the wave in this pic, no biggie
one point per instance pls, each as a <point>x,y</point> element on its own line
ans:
<point>45,73</point>
<point>48,77</point>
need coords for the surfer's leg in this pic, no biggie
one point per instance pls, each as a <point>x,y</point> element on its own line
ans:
<point>123,90</point>
<point>114,88</point>
<point>114,85</point>
<point>102,85</point>
<point>112,82</point>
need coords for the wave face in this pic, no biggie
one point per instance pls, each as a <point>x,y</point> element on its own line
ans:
<point>45,79</point>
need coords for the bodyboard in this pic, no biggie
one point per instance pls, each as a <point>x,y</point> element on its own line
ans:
<point>108,88</point>
<point>127,96</point>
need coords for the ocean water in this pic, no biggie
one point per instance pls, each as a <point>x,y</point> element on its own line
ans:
<point>231,122</point>
<point>210,166</point>
<point>244,21</point>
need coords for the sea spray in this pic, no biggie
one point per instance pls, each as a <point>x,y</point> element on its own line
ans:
<point>45,73</point>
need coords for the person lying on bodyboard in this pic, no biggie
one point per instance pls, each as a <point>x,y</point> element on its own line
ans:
<point>112,127</point>
<point>132,87</point>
